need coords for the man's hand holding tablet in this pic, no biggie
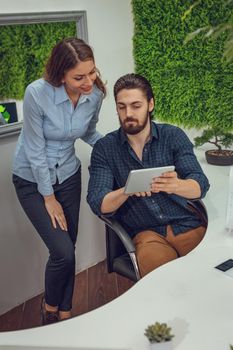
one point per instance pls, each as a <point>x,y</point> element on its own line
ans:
<point>142,182</point>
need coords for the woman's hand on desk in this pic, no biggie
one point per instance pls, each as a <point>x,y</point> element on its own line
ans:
<point>55,212</point>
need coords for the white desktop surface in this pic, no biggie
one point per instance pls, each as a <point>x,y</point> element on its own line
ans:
<point>193,297</point>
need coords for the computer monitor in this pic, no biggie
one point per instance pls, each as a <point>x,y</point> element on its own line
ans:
<point>8,113</point>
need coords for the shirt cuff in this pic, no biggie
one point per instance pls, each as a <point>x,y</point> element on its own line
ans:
<point>95,201</point>
<point>203,183</point>
<point>45,190</point>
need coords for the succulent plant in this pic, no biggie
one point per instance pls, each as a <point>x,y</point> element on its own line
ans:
<point>158,332</point>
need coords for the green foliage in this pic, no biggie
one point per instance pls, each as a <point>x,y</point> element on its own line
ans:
<point>216,137</point>
<point>231,347</point>
<point>24,50</point>
<point>214,32</point>
<point>192,83</point>
<point>158,332</point>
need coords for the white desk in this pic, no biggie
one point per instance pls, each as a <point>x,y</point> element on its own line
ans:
<point>188,293</point>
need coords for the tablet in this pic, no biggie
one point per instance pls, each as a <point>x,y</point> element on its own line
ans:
<point>140,180</point>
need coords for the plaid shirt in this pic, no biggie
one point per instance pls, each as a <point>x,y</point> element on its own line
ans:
<point>112,159</point>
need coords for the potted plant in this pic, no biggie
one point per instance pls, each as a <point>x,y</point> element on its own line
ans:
<point>220,30</point>
<point>159,336</point>
<point>219,138</point>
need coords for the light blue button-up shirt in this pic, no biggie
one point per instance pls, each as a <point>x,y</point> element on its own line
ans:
<point>45,150</point>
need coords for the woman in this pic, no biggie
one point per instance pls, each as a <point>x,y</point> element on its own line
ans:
<point>58,109</point>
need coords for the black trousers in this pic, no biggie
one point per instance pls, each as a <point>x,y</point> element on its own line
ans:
<point>60,268</point>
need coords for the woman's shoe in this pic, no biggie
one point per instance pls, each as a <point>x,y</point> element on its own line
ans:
<point>65,315</point>
<point>48,317</point>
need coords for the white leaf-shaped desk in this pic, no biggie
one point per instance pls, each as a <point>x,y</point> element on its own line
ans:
<point>193,297</point>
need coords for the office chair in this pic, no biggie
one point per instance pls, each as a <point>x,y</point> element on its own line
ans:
<point>120,249</point>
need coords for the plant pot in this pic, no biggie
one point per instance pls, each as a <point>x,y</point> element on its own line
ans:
<point>167,345</point>
<point>219,157</point>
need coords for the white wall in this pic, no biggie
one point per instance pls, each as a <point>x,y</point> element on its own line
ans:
<point>22,255</point>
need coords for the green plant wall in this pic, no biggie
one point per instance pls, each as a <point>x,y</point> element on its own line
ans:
<point>24,50</point>
<point>192,83</point>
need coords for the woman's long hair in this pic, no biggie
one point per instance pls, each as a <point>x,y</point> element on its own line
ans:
<point>65,55</point>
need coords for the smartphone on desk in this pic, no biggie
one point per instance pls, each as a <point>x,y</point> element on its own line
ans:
<point>226,267</point>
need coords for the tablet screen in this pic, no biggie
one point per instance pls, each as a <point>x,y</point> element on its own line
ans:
<point>140,180</point>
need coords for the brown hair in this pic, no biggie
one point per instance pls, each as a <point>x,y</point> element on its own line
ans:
<point>65,56</point>
<point>134,81</point>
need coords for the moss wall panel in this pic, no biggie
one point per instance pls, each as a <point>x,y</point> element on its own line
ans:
<point>192,83</point>
<point>24,50</point>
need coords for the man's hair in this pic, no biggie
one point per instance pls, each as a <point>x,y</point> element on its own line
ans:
<point>134,81</point>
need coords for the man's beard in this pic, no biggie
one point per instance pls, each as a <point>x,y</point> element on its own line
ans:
<point>136,128</point>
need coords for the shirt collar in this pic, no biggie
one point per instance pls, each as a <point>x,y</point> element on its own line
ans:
<point>154,133</point>
<point>62,96</point>
<point>154,130</point>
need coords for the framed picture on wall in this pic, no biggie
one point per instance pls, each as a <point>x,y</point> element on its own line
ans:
<point>26,41</point>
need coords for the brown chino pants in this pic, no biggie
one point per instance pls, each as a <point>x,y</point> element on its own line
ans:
<point>154,250</point>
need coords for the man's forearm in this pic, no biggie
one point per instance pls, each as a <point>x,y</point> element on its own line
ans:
<point>113,200</point>
<point>188,189</point>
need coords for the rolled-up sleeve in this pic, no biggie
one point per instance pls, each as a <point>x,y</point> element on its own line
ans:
<point>34,141</point>
<point>101,178</point>
<point>186,163</point>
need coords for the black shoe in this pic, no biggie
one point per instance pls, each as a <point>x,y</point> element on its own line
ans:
<point>48,317</point>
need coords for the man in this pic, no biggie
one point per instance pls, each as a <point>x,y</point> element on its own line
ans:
<point>160,222</point>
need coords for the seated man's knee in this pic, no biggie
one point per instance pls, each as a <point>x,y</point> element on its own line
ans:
<point>150,259</point>
<point>153,252</point>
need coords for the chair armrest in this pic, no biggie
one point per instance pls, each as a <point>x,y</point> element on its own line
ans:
<point>200,208</point>
<point>121,233</point>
